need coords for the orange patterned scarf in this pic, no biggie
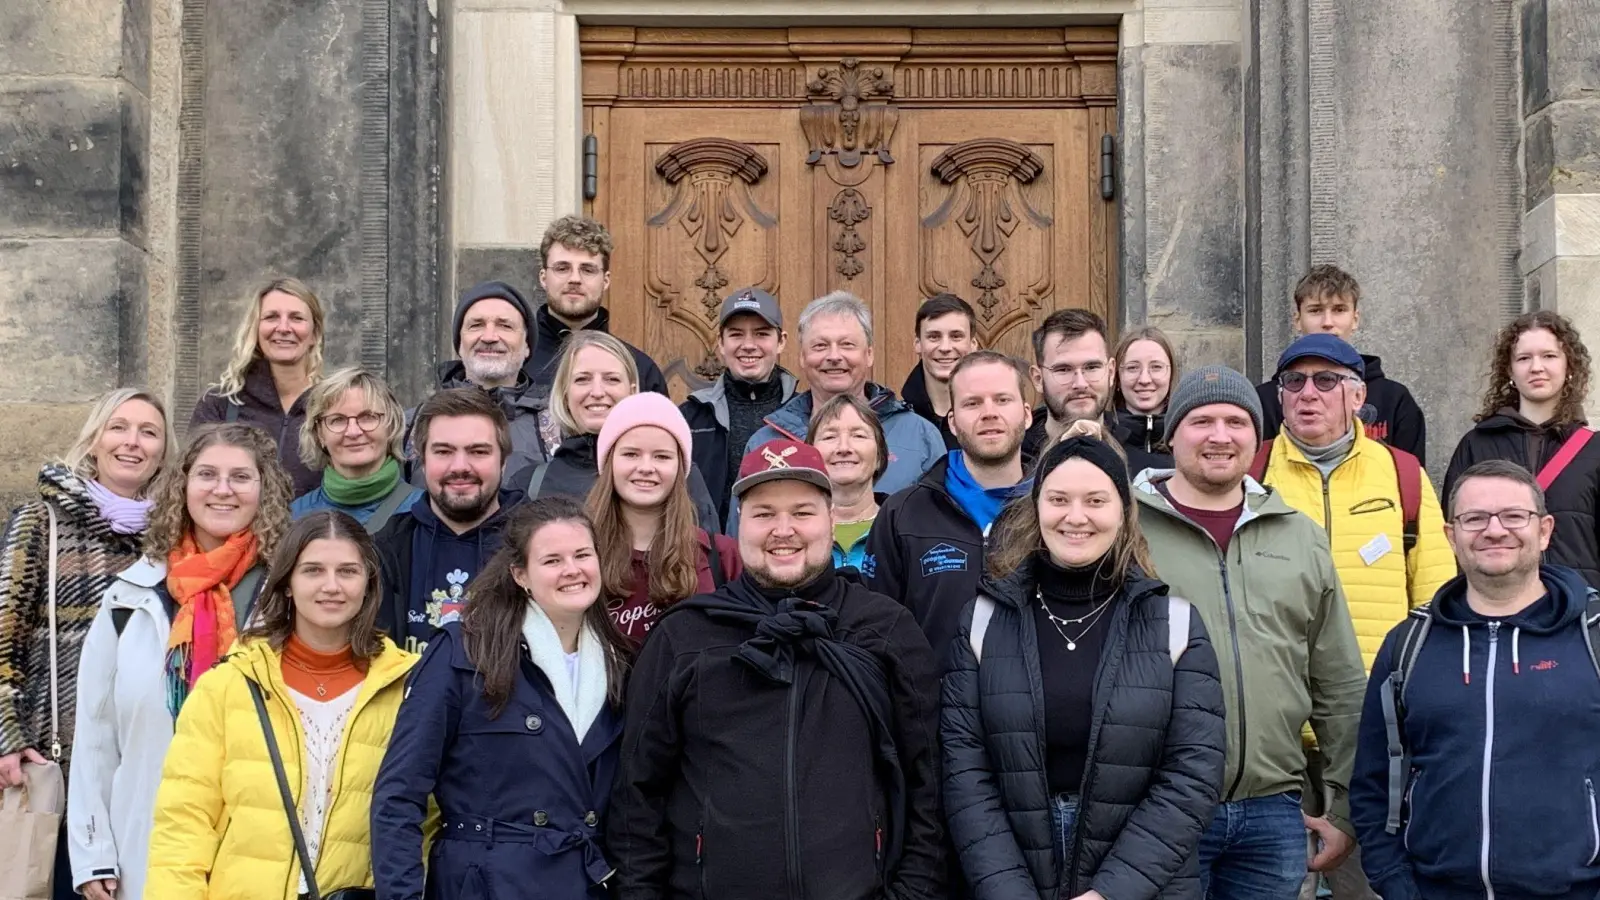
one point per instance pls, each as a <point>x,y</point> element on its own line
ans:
<point>203,629</point>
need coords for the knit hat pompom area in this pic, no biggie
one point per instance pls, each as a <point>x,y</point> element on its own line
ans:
<point>648,408</point>
<point>1205,386</point>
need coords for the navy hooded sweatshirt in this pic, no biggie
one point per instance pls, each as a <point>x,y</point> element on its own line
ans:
<point>1505,755</point>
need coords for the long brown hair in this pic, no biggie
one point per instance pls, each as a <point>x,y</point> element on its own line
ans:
<point>1015,535</point>
<point>1132,336</point>
<point>275,608</point>
<point>491,623</point>
<point>673,559</point>
<point>1502,391</point>
<point>169,517</point>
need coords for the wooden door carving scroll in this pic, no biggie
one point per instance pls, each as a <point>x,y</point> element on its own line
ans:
<point>849,120</point>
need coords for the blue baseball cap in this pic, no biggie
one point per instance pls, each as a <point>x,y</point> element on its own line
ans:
<point>1323,346</point>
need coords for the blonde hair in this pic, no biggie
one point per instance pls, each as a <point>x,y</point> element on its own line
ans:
<point>247,342</point>
<point>329,391</point>
<point>79,458</point>
<point>576,342</point>
<point>169,517</point>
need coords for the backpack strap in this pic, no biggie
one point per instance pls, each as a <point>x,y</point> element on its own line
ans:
<point>1178,610</point>
<point>1591,625</point>
<point>1408,471</point>
<point>1552,470</point>
<point>1417,624</point>
<point>386,510</point>
<point>231,414</point>
<point>982,612</point>
<point>1258,466</point>
<point>248,587</point>
<point>537,481</point>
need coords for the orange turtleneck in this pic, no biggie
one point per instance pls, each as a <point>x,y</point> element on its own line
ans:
<point>305,670</point>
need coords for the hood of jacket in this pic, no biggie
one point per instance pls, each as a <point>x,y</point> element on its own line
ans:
<point>1259,500</point>
<point>1507,418</point>
<point>428,520</point>
<point>551,331</point>
<point>1372,366</point>
<point>1566,588</point>
<point>715,394</point>
<point>915,393</point>
<point>794,418</point>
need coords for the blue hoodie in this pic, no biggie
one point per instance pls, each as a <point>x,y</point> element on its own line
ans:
<point>1504,737</point>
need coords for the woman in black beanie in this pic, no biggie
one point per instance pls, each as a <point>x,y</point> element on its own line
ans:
<point>1085,760</point>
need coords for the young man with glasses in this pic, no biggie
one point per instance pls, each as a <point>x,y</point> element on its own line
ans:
<point>1475,767</point>
<point>1380,514</point>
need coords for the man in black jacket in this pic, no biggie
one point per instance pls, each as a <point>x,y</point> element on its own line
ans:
<point>752,386</point>
<point>781,736</point>
<point>947,330</point>
<point>1327,300</point>
<point>925,548</point>
<point>576,270</point>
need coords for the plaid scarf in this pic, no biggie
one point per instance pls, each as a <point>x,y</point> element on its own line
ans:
<point>203,629</point>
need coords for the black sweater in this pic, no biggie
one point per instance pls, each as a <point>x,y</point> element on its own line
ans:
<point>1069,655</point>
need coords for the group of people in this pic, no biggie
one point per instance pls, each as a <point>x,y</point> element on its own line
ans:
<point>549,632</point>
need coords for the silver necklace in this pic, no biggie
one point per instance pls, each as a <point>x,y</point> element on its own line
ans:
<point>1092,617</point>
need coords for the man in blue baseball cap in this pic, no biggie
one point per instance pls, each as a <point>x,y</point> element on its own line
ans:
<point>1384,526</point>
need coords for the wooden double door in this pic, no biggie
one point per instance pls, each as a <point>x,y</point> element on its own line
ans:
<point>893,163</point>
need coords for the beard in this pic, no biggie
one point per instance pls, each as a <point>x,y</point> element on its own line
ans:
<point>463,508</point>
<point>1013,444</point>
<point>764,577</point>
<point>484,369</point>
<point>1057,406</point>
<point>573,308</point>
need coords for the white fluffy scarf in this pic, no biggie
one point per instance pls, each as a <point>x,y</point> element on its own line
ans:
<point>583,703</point>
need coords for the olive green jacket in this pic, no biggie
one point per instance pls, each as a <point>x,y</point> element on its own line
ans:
<point>1282,632</point>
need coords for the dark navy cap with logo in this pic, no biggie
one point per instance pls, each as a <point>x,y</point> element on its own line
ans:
<point>755,301</point>
<point>1323,346</point>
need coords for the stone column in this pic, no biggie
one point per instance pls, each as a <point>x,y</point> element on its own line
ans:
<point>74,113</point>
<point>1183,184</point>
<point>1561,158</point>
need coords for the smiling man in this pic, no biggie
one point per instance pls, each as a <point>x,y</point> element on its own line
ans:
<point>1261,577</point>
<point>926,545</point>
<point>431,552</point>
<point>946,329</point>
<point>781,731</point>
<point>722,417</point>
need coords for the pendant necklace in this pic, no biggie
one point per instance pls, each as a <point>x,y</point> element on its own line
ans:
<point>1092,617</point>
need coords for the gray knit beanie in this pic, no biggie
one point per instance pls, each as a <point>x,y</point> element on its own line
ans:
<point>1207,385</point>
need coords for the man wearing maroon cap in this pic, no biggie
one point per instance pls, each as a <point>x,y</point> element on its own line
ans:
<point>781,735</point>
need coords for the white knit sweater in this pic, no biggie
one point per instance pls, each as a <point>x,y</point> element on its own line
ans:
<point>323,722</point>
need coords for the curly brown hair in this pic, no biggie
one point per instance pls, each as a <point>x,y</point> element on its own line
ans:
<point>578,233</point>
<point>169,517</point>
<point>274,618</point>
<point>1502,391</point>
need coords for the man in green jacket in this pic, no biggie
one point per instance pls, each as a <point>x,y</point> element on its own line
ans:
<point>1263,579</point>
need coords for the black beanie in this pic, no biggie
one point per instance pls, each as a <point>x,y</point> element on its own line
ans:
<point>484,291</point>
<point>1093,450</point>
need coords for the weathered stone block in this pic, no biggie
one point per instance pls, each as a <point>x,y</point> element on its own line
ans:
<point>136,44</point>
<point>1561,150</point>
<point>61,156</point>
<point>60,37</point>
<point>32,434</point>
<point>61,318</point>
<point>516,266</point>
<point>1559,60</point>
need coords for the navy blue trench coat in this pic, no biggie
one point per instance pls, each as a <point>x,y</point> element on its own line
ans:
<point>522,802</point>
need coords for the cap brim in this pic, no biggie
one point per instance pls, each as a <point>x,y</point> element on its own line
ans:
<point>750,312</point>
<point>809,476</point>
<point>1288,361</point>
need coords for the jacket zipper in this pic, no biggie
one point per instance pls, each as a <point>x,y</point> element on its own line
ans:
<point>1149,429</point>
<point>1594,819</point>
<point>1238,660</point>
<point>1488,755</point>
<point>791,795</point>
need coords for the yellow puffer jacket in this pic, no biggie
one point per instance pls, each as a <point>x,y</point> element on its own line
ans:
<point>1362,496</point>
<point>220,828</point>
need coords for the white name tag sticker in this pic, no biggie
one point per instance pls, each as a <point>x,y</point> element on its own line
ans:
<point>1376,549</point>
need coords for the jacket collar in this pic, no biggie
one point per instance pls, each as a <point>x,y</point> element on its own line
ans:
<point>257,661</point>
<point>793,419</point>
<point>452,373</point>
<point>1363,446</point>
<point>147,573</point>
<point>260,388</point>
<point>554,331</point>
<point>1259,501</point>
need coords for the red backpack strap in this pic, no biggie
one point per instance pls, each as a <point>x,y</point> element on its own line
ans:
<point>1568,452</point>
<point>1258,466</point>
<point>1408,471</point>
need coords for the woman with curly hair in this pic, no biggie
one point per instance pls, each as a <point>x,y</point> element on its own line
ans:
<point>166,620</point>
<point>1532,415</point>
<point>277,357</point>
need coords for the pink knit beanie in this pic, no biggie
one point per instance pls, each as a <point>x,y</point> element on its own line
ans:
<point>648,408</point>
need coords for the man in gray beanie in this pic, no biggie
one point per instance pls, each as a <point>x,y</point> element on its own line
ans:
<point>1263,581</point>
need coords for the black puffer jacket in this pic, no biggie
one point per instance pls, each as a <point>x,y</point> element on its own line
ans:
<point>1156,749</point>
<point>1574,498</point>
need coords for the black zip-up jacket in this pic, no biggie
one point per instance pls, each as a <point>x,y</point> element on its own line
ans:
<point>752,762</point>
<point>706,411</point>
<point>926,552</point>
<point>915,394</point>
<point>550,331</point>
<point>258,405</point>
<point>1157,742</point>
<point>1139,458</point>
<point>1391,414</point>
<point>1143,433</point>
<point>1574,497</point>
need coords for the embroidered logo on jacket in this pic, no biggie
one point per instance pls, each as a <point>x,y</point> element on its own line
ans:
<point>943,558</point>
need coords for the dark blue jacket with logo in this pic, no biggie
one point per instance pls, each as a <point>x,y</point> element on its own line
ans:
<point>926,552</point>
<point>1505,755</point>
<point>522,801</point>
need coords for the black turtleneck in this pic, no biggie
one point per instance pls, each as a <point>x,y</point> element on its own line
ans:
<point>749,404</point>
<point>1068,675</point>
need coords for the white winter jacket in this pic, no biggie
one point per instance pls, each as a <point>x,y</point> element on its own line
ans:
<point>123,729</point>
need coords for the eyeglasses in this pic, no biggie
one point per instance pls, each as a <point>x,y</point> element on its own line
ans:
<point>1066,373</point>
<point>564,269</point>
<point>1295,382</point>
<point>238,479</point>
<point>1510,519</point>
<point>365,421</point>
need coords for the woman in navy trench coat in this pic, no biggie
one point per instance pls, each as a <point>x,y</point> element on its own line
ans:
<point>511,722</point>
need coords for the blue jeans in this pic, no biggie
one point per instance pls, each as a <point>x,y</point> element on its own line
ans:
<point>1063,820</point>
<point>1254,850</point>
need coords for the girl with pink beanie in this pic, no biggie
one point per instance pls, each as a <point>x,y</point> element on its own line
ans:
<point>652,552</point>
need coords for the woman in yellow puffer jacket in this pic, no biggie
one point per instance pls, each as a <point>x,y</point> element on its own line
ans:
<point>332,686</point>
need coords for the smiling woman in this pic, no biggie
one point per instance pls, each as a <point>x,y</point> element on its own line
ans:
<point>352,433</point>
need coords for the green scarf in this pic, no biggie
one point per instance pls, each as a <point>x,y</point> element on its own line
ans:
<point>350,492</point>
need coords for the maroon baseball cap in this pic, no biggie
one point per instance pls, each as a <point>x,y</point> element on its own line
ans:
<point>782,460</point>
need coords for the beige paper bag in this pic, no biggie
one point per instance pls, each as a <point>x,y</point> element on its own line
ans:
<point>30,823</point>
